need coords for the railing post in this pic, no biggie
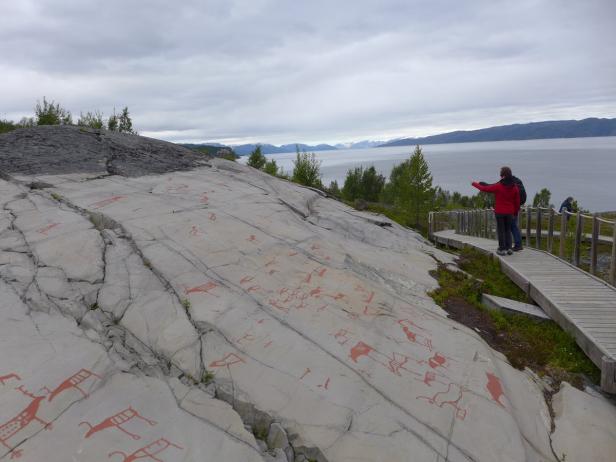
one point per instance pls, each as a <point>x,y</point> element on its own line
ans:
<point>563,234</point>
<point>550,230</point>
<point>593,243</point>
<point>578,239</point>
<point>486,219</point>
<point>538,229</point>
<point>528,220</point>
<point>430,225</point>
<point>613,262</point>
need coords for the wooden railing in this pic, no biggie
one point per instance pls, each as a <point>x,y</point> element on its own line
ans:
<point>542,228</point>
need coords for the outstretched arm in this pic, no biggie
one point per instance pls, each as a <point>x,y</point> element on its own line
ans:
<point>485,187</point>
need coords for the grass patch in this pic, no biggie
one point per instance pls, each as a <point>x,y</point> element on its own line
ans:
<point>207,377</point>
<point>539,345</point>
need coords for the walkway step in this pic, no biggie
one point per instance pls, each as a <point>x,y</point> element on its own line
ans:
<point>512,306</point>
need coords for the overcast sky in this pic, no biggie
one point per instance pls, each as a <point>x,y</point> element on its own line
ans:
<point>278,71</point>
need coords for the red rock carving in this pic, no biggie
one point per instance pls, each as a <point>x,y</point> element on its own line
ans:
<point>212,216</point>
<point>306,372</point>
<point>73,382</point>
<point>228,360</point>
<point>325,385</point>
<point>204,199</point>
<point>22,420</point>
<point>147,452</point>
<point>105,202</point>
<point>47,228</point>
<point>177,188</point>
<point>4,378</point>
<point>412,336</point>
<point>397,362</point>
<point>251,238</point>
<point>203,288</point>
<point>342,336</point>
<point>292,254</point>
<point>195,231</point>
<point>360,349</point>
<point>116,421</point>
<point>246,279</point>
<point>495,388</point>
<point>438,360</point>
<point>451,397</point>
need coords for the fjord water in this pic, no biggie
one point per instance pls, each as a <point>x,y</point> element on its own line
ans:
<point>584,168</point>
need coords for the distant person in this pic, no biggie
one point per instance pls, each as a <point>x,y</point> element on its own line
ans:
<point>515,222</point>
<point>567,206</point>
<point>506,206</point>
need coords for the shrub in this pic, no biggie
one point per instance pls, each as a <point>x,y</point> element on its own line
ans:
<point>52,114</point>
<point>256,159</point>
<point>91,120</point>
<point>307,169</point>
<point>271,167</point>
<point>7,126</point>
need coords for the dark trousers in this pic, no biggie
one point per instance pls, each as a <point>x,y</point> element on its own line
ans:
<point>503,230</point>
<point>515,230</point>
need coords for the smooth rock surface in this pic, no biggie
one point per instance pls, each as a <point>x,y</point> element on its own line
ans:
<point>127,303</point>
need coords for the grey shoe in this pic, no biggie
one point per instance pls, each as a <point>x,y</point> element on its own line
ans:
<point>501,252</point>
<point>509,251</point>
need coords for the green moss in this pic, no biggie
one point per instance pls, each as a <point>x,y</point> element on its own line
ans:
<point>56,196</point>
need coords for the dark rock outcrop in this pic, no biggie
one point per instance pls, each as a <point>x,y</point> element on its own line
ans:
<point>68,149</point>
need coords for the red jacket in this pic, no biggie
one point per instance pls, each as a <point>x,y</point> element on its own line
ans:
<point>506,198</point>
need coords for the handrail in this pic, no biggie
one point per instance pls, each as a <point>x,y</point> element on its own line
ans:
<point>481,223</point>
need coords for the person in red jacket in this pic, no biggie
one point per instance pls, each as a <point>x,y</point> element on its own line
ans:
<point>506,206</point>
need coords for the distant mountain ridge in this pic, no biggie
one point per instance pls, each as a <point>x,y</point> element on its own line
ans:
<point>360,144</point>
<point>245,149</point>
<point>530,131</point>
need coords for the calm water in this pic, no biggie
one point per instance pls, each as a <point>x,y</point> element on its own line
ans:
<point>584,168</point>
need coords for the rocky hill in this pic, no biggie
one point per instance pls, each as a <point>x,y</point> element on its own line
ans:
<point>157,305</point>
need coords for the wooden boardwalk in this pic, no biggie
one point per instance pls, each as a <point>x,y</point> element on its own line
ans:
<point>580,303</point>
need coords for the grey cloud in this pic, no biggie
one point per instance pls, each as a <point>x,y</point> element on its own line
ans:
<point>279,71</point>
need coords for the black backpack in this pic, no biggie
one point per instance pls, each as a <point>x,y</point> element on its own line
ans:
<point>520,185</point>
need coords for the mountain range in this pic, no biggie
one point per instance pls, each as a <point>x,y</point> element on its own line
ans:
<point>530,131</point>
<point>245,149</point>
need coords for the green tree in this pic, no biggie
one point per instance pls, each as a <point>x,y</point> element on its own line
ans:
<point>112,122</point>
<point>91,120</point>
<point>306,169</point>
<point>351,189</point>
<point>364,184</point>
<point>256,159</point>
<point>334,189</point>
<point>271,167</point>
<point>410,188</point>
<point>372,184</point>
<point>542,198</point>
<point>52,114</point>
<point>125,124</point>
